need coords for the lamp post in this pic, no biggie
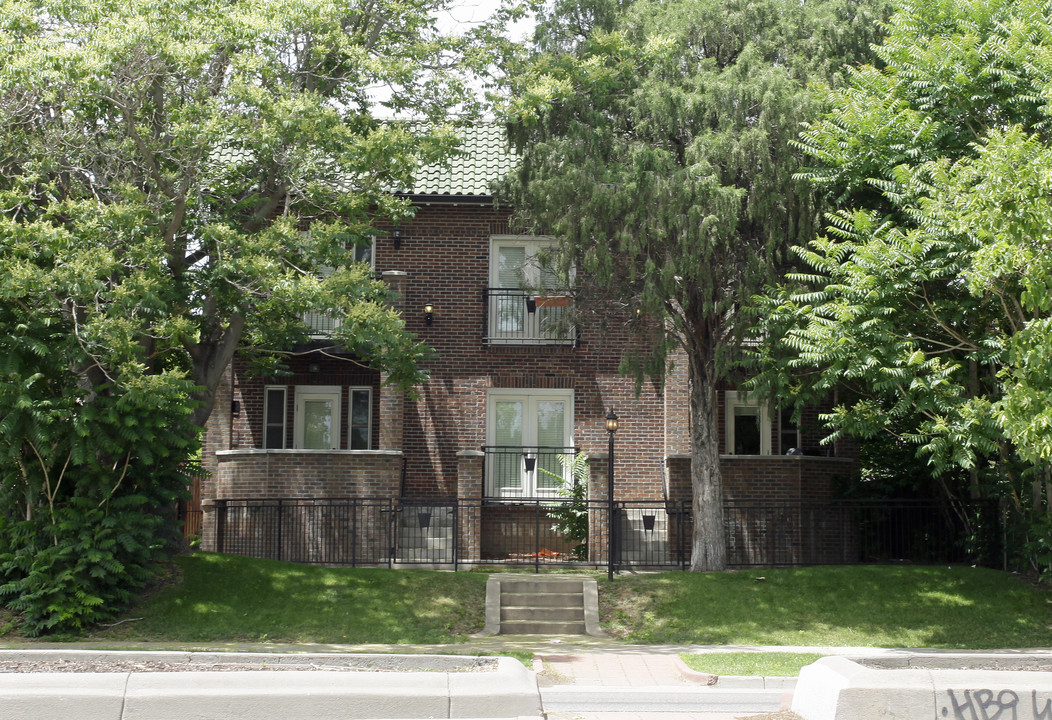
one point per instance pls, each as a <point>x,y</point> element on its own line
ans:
<point>611,428</point>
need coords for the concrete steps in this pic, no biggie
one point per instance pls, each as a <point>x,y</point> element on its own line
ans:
<point>541,605</point>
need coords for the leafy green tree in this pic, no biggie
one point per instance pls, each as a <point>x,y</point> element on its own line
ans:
<point>174,176</point>
<point>927,304</point>
<point>656,141</point>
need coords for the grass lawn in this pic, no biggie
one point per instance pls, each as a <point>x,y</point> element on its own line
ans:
<point>226,597</point>
<point>866,605</point>
<point>229,598</point>
<point>769,664</point>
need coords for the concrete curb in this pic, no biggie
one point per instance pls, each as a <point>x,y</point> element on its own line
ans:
<point>835,688</point>
<point>507,691</point>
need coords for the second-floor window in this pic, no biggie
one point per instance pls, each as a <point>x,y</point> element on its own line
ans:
<point>528,303</point>
<point>322,324</point>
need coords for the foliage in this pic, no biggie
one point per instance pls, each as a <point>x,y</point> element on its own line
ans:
<point>571,516</point>
<point>174,177</point>
<point>214,158</point>
<point>655,140</point>
<point>925,305</point>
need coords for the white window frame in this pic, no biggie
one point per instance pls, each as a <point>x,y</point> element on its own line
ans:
<point>734,399</point>
<point>533,329</point>
<point>325,271</point>
<point>528,487</point>
<point>315,392</point>
<point>284,414</point>
<point>782,449</point>
<point>350,417</point>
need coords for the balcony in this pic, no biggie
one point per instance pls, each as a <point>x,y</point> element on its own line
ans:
<point>521,317</point>
<point>527,471</point>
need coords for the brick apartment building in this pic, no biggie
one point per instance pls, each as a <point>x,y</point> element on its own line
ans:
<point>517,383</point>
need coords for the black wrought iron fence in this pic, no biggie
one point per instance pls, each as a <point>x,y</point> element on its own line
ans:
<point>552,532</point>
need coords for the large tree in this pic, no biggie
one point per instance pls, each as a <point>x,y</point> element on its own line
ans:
<point>928,302</point>
<point>174,178</point>
<point>657,147</point>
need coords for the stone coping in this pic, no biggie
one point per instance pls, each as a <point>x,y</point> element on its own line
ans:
<point>245,452</point>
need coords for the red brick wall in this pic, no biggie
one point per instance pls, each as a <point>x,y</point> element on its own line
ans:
<point>447,258</point>
<point>445,255</point>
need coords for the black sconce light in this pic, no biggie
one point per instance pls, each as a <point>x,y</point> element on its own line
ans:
<point>648,522</point>
<point>531,304</point>
<point>424,518</point>
<point>531,462</point>
<point>235,407</point>
<point>429,313</point>
<point>396,236</point>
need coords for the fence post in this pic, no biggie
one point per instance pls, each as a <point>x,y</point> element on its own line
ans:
<point>280,528</point>
<point>220,510</point>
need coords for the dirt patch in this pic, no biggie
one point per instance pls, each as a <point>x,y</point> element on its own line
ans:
<point>143,665</point>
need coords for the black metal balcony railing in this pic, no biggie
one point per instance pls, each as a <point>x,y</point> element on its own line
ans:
<point>521,317</point>
<point>527,471</point>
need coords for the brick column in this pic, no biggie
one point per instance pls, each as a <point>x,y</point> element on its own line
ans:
<point>469,495</point>
<point>599,512</point>
<point>392,416</point>
<point>392,400</point>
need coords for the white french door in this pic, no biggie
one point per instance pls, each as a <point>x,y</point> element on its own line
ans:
<point>527,433</point>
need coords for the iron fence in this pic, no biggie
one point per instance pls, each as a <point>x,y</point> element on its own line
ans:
<point>557,532</point>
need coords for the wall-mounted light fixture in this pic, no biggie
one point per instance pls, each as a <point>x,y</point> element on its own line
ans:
<point>530,462</point>
<point>235,407</point>
<point>314,368</point>
<point>396,236</point>
<point>429,313</point>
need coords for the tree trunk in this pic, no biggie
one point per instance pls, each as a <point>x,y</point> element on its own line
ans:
<point>709,545</point>
<point>210,360</point>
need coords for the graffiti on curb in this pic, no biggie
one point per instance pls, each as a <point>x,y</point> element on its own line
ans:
<point>996,705</point>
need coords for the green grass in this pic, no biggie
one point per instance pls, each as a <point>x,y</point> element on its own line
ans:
<point>226,597</point>
<point>876,606</point>
<point>769,664</point>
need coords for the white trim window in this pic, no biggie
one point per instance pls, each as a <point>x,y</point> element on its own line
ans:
<point>528,301</point>
<point>527,432</point>
<point>317,418</point>
<point>322,324</point>
<point>788,432</point>
<point>748,425</point>
<point>360,418</point>
<point>275,404</point>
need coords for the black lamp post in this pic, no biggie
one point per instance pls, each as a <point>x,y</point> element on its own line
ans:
<point>611,428</point>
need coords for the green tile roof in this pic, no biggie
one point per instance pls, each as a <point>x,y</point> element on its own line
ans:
<point>484,158</point>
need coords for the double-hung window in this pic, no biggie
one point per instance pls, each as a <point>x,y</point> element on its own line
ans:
<point>360,418</point>
<point>274,414</point>
<point>528,433</point>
